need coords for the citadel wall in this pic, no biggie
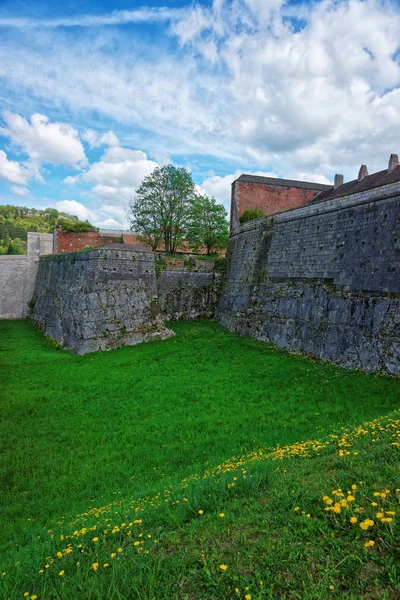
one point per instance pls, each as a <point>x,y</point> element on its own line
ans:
<point>111,296</point>
<point>18,275</point>
<point>323,280</point>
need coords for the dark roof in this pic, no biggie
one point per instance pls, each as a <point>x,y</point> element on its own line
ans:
<point>284,182</point>
<point>353,187</point>
<point>131,247</point>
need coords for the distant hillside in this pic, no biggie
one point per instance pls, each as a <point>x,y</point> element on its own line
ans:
<point>16,221</point>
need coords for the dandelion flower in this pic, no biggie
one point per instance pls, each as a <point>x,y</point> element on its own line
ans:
<point>119,550</point>
<point>248,597</point>
<point>33,597</point>
<point>95,566</point>
<point>106,565</point>
<point>113,555</point>
<point>26,593</point>
<point>61,573</point>
<point>369,544</point>
<point>221,515</point>
<point>95,539</point>
<point>201,512</point>
<point>353,520</point>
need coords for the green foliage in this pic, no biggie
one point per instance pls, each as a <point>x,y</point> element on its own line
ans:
<point>74,226</point>
<point>140,435</point>
<point>16,221</point>
<point>207,226</point>
<point>161,205</point>
<point>250,214</point>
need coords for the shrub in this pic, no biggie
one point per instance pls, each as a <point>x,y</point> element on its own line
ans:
<point>250,214</point>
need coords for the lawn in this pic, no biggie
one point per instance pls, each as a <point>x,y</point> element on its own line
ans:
<point>116,433</point>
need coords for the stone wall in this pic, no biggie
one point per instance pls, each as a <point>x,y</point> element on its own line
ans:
<point>99,299</point>
<point>322,280</point>
<point>189,292</point>
<point>18,275</point>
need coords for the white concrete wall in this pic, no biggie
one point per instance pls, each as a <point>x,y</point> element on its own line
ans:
<point>18,275</point>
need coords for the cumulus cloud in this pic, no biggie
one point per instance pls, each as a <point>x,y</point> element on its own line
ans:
<point>72,207</point>
<point>96,139</point>
<point>43,141</point>
<point>118,173</point>
<point>19,190</point>
<point>12,171</point>
<point>301,90</point>
<point>71,180</point>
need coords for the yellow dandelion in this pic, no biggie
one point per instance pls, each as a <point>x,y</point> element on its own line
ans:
<point>248,597</point>
<point>369,544</point>
<point>106,565</point>
<point>95,539</point>
<point>33,597</point>
<point>95,566</point>
<point>353,520</point>
<point>113,555</point>
<point>201,512</point>
<point>354,487</point>
<point>387,520</point>
<point>379,515</point>
<point>136,543</point>
<point>221,515</point>
<point>223,567</point>
<point>61,573</point>
<point>26,593</point>
<point>119,550</point>
<point>59,555</point>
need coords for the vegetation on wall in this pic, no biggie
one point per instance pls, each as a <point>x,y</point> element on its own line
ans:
<point>207,466</point>
<point>166,210</point>
<point>250,214</point>
<point>16,221</point>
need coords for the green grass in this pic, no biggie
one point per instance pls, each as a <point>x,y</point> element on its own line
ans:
<point>82,432</point>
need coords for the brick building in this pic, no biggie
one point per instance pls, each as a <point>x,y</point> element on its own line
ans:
<point>270,194</point>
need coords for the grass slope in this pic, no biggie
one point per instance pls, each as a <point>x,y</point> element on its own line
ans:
<point>137,430</point>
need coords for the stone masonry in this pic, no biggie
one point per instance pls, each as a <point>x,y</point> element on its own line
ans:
<point>99,299</point>
<point>323,280</point>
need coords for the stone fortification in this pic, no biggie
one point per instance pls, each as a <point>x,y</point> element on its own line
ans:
<point>323,280</point>
<point>99,299</point>
<point>112,296</point>
<point>18,275</point>
<point>189,289</point>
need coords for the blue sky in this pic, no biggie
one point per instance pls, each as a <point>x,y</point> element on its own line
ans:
<point>95,95</point>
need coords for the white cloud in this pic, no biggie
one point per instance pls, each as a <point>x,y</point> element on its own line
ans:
<point>12,171</point>
<point>44,142</point>
<point>71,180</point>
<point>237,80</point>
<point>19,190</point>
<point>96,139</point>
<point>116,17</point>
<point>72,207</point>
<point>119,172</point>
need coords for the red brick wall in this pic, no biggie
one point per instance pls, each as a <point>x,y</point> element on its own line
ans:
<point>67,242</point>
<point>271,199</point>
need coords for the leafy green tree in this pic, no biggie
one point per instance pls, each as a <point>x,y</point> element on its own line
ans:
<point>160,208</point>
<point>208,227</point>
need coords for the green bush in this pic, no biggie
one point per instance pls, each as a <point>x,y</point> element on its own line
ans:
<point>250,214</point>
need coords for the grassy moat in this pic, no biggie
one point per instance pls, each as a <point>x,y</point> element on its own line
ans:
<point>207,466</point>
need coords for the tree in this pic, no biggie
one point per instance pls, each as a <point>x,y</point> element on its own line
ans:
<point>160,208</point>
<point>208,226</point>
